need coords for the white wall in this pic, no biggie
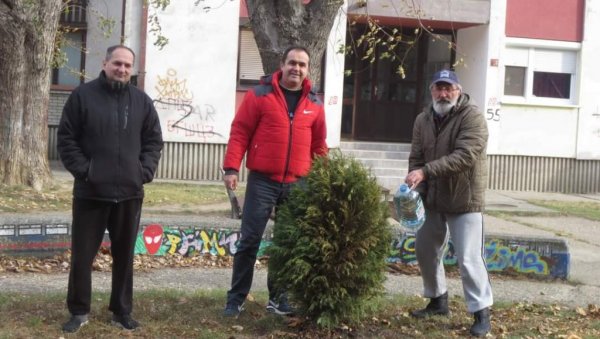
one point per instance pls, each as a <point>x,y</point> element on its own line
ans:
<point>588,138</point>
<point>99,39</point>
<point>537,131</point>
<point>193,78</point>
<point>472,47</point>
<point>334,79</point>
<point>544,129</point>
<point>133,26</point>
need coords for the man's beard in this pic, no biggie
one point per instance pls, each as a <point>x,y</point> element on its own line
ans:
<point>443,106</point>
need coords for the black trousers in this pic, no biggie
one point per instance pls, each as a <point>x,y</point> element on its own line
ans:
<point>91,218</point>
<point>262,194</point>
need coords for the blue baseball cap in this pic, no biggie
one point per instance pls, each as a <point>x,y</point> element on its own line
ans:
<point>445,76</point>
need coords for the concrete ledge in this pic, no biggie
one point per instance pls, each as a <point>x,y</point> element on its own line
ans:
<point>186,235</point>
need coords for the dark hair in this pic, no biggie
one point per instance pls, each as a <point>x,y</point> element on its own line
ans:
<point>292,48</point>
<point>111,49</point>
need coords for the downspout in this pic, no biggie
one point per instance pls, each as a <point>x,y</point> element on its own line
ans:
<point>123,9</point>
<point>142,52</point>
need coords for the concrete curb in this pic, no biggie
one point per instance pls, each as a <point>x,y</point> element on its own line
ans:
<point>44,234</point>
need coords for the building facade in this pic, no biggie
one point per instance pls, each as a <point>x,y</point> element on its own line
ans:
<point>537,85</point>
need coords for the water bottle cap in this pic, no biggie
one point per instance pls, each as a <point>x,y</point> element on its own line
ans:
<point>404,188</point>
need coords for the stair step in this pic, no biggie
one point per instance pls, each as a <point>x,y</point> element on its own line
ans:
<point>377,154</point>
<point>377,146</point>
<point>388,162</point>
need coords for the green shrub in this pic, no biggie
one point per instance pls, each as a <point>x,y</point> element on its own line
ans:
<point>330,242</point>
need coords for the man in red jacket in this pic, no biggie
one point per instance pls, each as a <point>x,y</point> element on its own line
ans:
<point>280,127</point>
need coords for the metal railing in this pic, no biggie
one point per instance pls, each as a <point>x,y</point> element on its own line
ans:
<point>74,13</point>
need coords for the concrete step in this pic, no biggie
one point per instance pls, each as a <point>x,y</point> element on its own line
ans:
<point>377,146</point>
<point>376,154</point>
<point>390,182</point>
<point>384,163</point>
<point>394,172</point>
<point>387,161</point>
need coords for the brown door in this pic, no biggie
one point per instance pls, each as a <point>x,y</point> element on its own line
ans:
<point>386,103</point>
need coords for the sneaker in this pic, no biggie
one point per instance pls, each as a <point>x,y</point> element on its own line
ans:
<point>75,323</point>
<point>125,322</point>
<point>233,310</point>
<point>281,308</point>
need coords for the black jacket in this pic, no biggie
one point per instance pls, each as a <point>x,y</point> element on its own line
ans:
<point>110,140</point>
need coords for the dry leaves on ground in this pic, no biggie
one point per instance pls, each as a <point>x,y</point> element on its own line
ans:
<point>103,262</point>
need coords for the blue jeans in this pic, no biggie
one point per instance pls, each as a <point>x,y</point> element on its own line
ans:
<point>262,194</point>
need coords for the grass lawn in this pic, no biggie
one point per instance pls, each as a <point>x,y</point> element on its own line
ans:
<point>583,209</point>
<point>173,314</point>
<point>58,197</point>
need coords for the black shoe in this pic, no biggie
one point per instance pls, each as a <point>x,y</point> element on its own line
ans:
<point>125,322</point>
<point>436,306</point>
<point>233,310</point>
<point>482,324</point>
<point>75,323</point>
<point>281,308</point>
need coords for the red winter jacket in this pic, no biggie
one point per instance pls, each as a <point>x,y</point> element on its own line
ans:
<point>276,146</point>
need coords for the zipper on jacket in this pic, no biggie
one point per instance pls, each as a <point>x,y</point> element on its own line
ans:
<point>126,115</point>
<point>289,151</point>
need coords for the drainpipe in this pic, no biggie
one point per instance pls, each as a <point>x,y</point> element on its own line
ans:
<point>123,22</point>
<point>142,52</point>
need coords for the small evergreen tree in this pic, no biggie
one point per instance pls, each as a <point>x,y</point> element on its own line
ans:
<point>330,242</point>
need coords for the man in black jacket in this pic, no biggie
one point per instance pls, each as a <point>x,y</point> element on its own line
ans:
<point>110,139</point>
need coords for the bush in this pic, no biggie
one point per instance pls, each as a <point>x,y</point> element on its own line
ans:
<point>330,242</point>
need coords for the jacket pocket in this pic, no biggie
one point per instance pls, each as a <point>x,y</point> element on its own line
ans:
<point>142,179</point>
<point>90,172</point>
<point>460,191</point>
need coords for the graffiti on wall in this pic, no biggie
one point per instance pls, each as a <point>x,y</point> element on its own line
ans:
<point>185,117</point>
<point>520,256</point>
<point>158,240</point>
<point>499,256</point>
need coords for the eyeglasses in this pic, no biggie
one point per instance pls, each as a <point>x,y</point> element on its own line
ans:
<point>444,88</point>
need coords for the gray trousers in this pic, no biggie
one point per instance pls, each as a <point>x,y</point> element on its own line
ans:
<point>466,231</point>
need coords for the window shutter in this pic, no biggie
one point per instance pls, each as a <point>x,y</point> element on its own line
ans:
<point>250,62</point>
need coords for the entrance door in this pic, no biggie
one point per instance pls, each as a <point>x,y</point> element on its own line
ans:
<point>387,103</point>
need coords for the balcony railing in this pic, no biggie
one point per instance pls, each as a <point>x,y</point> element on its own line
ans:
<point>74,13</point>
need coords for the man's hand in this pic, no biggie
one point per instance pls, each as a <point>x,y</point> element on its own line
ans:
<point>414,178</point>
<point>230,181</point>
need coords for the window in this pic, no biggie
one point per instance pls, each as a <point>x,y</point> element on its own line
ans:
<point>540,75</point>
<point>73,21</point>
<point>514,80</point>
<point>250,63</point>
<point>551,85</point>
<point>70,74</point>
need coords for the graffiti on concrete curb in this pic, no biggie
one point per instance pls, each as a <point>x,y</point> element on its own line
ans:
<point>543,257</point>
<point>158,240</point>
<point>501,255</point>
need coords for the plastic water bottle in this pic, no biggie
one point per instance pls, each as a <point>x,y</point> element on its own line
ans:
<point>409,207</point>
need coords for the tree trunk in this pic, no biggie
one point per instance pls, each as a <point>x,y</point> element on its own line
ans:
<point>278,24</point>
<point>27,32</point>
